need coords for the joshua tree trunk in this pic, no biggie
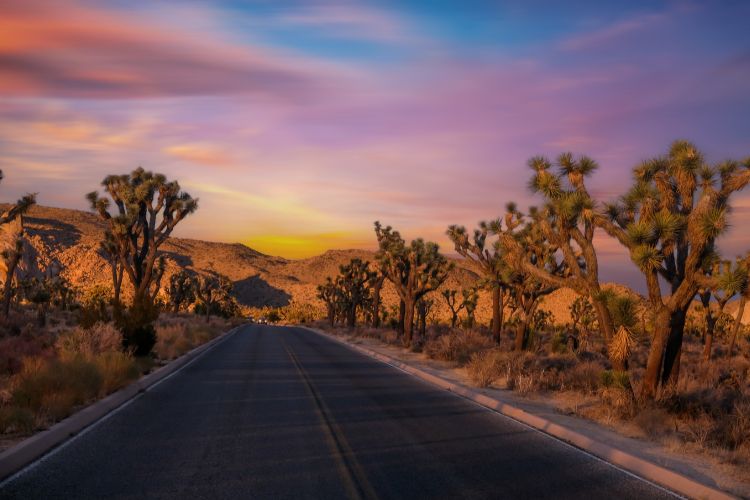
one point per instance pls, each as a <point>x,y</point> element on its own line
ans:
<point>401,318</point>
<point>351,317</point>
<point>8,287</point>
<point>422,321</point>
<point>520,335</point>
<point>376,287</point>
<point>497,313</point>
<point>672,355</point>
<point>408,322</point>
<point>41,315</point>
<point>662,328</point>
<point>709,336</point>
<point>606,325</point>
<point>737,324</point>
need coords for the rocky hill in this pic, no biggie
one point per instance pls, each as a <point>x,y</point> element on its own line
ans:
<point>72,238</point>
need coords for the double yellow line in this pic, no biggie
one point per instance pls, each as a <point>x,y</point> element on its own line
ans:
<point>350,470</point>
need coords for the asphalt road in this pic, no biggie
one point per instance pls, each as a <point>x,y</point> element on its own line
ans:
<point>278,413</point>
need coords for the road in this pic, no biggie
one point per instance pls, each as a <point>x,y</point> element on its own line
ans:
<point>276,412</point>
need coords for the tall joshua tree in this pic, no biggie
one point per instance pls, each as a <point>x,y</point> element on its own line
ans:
<point>415,270</point>
<point>669,222</point>
<point>11,226</point>
<point>567,221</point>
<point>488,260</point>
<point>148,209</point>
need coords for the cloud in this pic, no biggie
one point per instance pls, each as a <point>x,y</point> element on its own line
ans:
<point>612,32</point>
<point>349,21</point>
<point>202,154</point>
<point>64,50</point>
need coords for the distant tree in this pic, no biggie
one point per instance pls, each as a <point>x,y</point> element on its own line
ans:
<point>454,305</point>
<point>12,254</point>
<point>328,293</point>
<point>148,209</point>
<point>470,298</point>
<point>723,282</point>
<point>488,261</point>
<point>181,289</point>
<point>582,317</point>
<point>669,222</point>
<point>525,244</point>
<point>424,306</point>
<point>111,253</point>
<point>376,286</point>
<point>353,286</point>
<point>415,270</point>
<point>211,292</point>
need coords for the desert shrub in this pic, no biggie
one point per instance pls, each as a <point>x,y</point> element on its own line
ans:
<point>14,419</point>
<point>485,367</point>
<point>614,379</point>
<point>177,338</point>
<point>52,387</point>
<point>14,349</point>
<point>457,346</point>
<point>116,369</point>
<point>583,377</point>
<point>89,342</point>
<point>93,308</point>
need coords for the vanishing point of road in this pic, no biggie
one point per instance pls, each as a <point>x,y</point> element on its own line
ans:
<point>280,412</point>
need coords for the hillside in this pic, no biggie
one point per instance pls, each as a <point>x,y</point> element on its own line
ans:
<point>72,238</point>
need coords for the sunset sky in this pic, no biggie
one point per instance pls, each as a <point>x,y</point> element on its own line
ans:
<point>298,124</point>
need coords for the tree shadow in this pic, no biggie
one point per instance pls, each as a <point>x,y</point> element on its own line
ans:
<point>53,232</point>
<point>254,291</point>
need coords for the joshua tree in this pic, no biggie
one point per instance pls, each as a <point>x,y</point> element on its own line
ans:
<point>470,297</point>
<point>488,260</point>
<point>582,317</point>
<point>376,286</point>
<point>415,270</point>
<point>181,289</point>
<point>453,304</point>
<point>11,227</point>
<point>743,270</point>
<point>148,209</point>
<point>109,250</point>
<point>525,245</point>
<point>728,281</point>
<point>353,288</point>
<point>424,306</point>
<point>37,291</point>
<point>669,221</point>
<point>210,291</point>
<point>568,222</point>
<point>328,293</point>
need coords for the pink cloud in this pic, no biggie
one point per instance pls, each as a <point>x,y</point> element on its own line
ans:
<point>54,49</point>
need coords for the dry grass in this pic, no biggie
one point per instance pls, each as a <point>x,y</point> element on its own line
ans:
<point>177,335</point>
<point>457,346</point>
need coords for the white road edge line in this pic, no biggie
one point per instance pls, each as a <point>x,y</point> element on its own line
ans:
<point>54,451</point>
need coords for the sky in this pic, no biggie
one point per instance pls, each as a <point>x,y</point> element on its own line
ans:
<point>297,124</point>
